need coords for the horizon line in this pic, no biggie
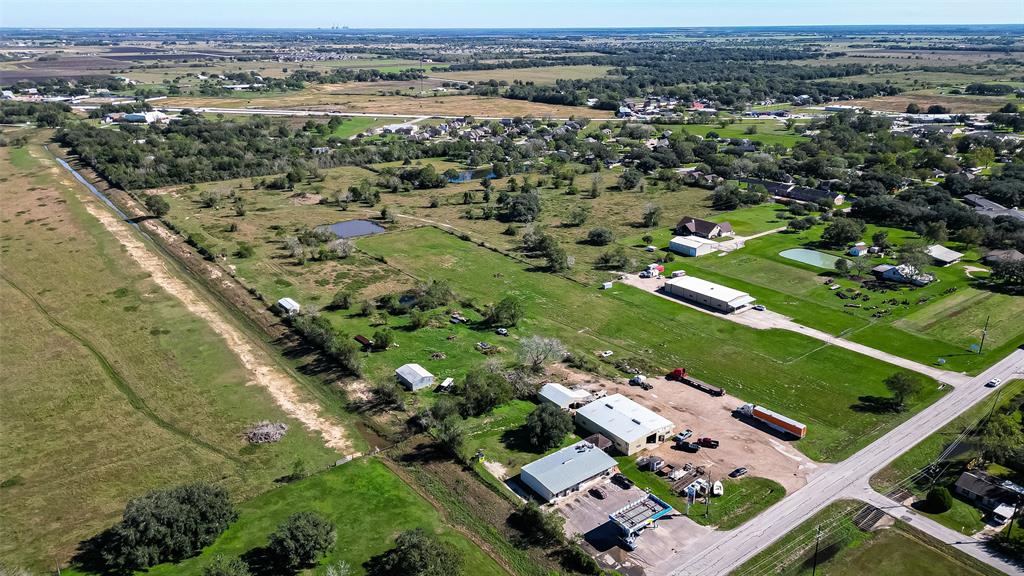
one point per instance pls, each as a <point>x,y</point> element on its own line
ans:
<point>456,28</point>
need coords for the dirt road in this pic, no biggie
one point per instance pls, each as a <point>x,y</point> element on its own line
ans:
<point>264,372</point>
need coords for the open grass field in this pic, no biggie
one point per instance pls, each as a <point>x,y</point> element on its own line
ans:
<point>962,517</point>
<point>767,131</point>
<point>542,75</point>
<point>964,104</point>
<point>322,98</point>
<point>273,214</point>
<point>368,505</point>
<point>753,219</point>
<point>778,369</point>
<point>845,550</point>
<point>498,435</point>
<point>111,386</point>
<point>945,325</point>
<point>742,499</point>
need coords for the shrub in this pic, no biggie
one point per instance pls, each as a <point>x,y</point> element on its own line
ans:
<point>939,499</point>
<point>301,540</point>
<point>547,426</point>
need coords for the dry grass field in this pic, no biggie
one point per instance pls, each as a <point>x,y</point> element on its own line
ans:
<point>111,386</point>
<point>956,104</point>
<point>545,75</point>
<point>324,98</point>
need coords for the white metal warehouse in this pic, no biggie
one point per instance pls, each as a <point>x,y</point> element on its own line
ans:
<point>628,425</point>
<point>708,294</point>
<point>568,470</point>
<point>564,398</point>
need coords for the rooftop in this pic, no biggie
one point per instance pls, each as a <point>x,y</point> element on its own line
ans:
<point>710,289</point>
<point>561,395</point>
<point>413,372</point>
<point>943,254</point>
<point>569,466</point>
<point>623,418</point>
<point>692,241</point>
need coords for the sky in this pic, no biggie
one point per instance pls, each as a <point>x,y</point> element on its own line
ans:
<point>498,13</point>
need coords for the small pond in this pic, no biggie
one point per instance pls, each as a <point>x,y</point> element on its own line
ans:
<point>467,175</point>
<point>354,228</point>
<point>812,257</point>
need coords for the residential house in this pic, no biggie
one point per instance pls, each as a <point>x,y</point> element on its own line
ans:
<point>703,228</point>
<point>990,493</point>
<point>903,274</point>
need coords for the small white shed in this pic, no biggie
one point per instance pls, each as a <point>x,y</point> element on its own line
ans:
<point>414,376</point>
<point>288,307</point>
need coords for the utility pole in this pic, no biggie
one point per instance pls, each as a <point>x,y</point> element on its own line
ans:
<point>817,539</point>
<point>984,333</point>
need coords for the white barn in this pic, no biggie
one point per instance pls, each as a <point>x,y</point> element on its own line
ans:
<point>715,296</point>
<point>692,245</point>
<point>414,376</point>
<point>564,398</point>
<point>288,307</point>
<point>628,425</point>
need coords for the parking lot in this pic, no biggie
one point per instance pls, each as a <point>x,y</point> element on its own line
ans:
<point>588,515</point>
<point>742,443</point>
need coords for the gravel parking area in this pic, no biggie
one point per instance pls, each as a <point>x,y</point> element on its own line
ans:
<point>742,443</point>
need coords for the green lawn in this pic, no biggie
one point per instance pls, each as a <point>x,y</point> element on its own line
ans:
<point>351,126</point>
<point>945,325</point>
<point>779,369</point>
<point>753,219</point>
<point>497,433</point>
<point>963,517</point>
<point>365,501</point>
<point>845,550</point>
<point>742,499</point>
<point>768,131</point>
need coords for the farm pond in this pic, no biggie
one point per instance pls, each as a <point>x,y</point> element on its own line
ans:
<point>354,228</point>
<point>812,257</point>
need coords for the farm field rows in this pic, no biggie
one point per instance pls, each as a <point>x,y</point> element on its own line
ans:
<point>773,368</point>
<point>110,377</point>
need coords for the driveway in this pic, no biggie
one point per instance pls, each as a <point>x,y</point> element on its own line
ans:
<point>767,320</point>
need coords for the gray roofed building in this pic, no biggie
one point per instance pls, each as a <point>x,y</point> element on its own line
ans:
<point>568,470</point>
<point>987,207</point>
<point>1009,255</point>
<point>943,256</point>
<point>629,426</point>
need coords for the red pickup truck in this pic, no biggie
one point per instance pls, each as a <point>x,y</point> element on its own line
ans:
<point>708,442</point>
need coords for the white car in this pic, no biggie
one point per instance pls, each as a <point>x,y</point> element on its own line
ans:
<point>651,248</point>
<point>605,354</point>
<point>502,331</point>
<point>760,308</point>
<point>993,383</point>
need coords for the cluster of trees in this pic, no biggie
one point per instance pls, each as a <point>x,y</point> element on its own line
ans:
<point>318,332</point>
<point>161,526</point>
<point>44,114</point>
<point>417,553</point>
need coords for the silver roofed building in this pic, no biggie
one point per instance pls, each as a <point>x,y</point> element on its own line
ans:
<point>568,470</point>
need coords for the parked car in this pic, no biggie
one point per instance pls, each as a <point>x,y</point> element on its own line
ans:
<point>651,248</point>
<point>759,307</point>
<point>682,436</point>
<point>483,346</point>
<point>738,472</point>
<point>993,383</point>
<point>708,443</point>
<point>605,354</point>
<point>622,481</point>
<point>690,447</point>
<point>646,274</point>
<point>502,332</point>
<point>598,492</point>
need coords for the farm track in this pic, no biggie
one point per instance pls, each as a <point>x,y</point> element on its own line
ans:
<point>265,373</point>
<point>136,401</point>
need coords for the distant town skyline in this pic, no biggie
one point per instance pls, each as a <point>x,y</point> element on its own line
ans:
<point>498,13</point>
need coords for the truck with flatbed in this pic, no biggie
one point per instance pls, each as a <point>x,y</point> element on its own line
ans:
<point>681,375</point>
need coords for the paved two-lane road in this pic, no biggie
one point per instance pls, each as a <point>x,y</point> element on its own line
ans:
<point>721,552</point>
